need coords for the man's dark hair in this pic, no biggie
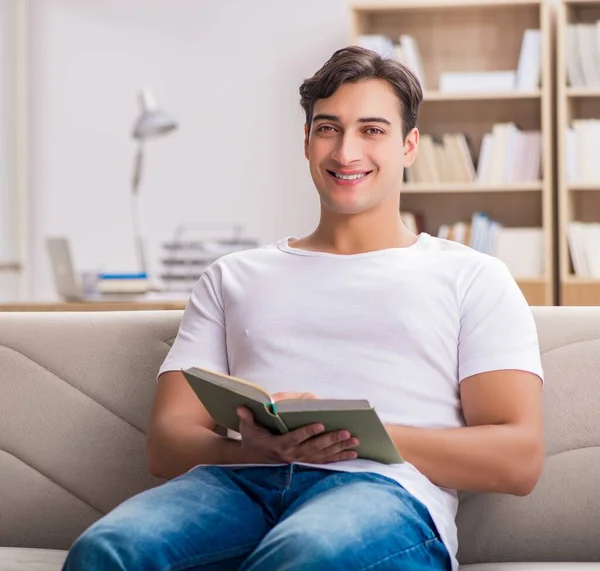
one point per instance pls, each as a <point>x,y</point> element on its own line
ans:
<point>354,64</point>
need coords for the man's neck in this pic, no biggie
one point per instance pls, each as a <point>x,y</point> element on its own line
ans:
<point>356,235</point>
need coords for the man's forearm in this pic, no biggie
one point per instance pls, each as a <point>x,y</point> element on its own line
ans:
<point>491,458</point>
<point>175,447</point>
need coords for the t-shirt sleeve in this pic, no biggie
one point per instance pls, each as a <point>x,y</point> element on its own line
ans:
<point>200,340</point>
<point>497,329</point>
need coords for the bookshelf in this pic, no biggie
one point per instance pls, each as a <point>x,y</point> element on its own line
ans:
<point>578,185</point>
<point>477,36</point>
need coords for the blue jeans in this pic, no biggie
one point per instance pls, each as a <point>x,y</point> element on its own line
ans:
<point>265,518</point>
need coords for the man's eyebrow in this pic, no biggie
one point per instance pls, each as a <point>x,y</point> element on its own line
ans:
<point>374,120</point>
<point>336,119</point>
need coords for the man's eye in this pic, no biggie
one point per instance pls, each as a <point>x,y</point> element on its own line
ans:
<point>373,131</point>
<point>325,129</point>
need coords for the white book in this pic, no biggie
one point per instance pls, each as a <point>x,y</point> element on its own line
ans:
<point>576,243</point>
<point>503,134</point>
<point>572,174</point>
<point>377,43</point>
<point>460,232</point>
<point>512,142</point>
<point>485,158</point>
<point>592,248</point>
<point>409,220</point>
<point>444,231</point>
<point>518,168</point>
<point>587,47</point>
<point>430,169</point>
<point>529,70</point>
<point>412,55</point>
<point>586,141</point>
<point>533,154</point>
<point>477,81</point>
<point>574,70</point>
<point>466,157</point>
<point>521,249</point>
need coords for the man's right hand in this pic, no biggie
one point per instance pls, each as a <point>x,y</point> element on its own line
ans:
<point>306,444</point>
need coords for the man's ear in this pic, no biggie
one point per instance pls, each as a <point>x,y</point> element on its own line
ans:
<point>411,144</point>
<point>306,140</point>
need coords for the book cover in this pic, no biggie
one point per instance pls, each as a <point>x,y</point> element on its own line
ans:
<point>222,394</point>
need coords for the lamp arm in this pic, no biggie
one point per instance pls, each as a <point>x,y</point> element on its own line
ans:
<point>137,168</point>
<point>135,209</point>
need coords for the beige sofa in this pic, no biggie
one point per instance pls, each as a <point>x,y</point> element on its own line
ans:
<point>75,394</point>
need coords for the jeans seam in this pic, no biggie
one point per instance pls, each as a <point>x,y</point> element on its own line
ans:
<point>223,555</point>
<point>401,552</point>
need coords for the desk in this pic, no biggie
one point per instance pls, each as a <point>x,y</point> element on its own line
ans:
<point>94,305</point>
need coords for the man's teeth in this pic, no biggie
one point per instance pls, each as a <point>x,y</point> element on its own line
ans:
<point>350,176</point>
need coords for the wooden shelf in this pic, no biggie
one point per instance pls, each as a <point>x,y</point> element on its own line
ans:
<point>577,280</point>
<point>462,36</point>
<point>535,290</point>
<point>441,96</point>
<point>582,92</point>
<point>537,280</point>
<point>584,186</point>
<point>580,291</point>
<point>10,267</point>
<point>469,187</point>
<point>439,4</point>
<point>576,201</point>
<point>94,306</point>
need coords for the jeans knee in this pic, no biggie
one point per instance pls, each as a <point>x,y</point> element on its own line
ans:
<point>309,547</point>
<point>99,548</point>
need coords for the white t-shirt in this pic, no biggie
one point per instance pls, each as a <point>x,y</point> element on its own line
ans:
<point>400,327</point>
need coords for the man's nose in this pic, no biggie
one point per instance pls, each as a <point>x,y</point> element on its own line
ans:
<point>347,150</point>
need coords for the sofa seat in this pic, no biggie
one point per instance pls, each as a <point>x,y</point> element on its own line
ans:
<point>25,559</point>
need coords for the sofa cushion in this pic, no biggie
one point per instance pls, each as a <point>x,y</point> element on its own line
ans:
<point>24,559</point>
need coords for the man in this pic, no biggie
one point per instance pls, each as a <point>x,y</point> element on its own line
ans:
<point>437,336</point>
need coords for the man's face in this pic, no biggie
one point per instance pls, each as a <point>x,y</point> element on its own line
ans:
<point>355,147</point>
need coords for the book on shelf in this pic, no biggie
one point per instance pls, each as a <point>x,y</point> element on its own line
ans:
<point>444,159</point>
<point>521,249</point>
<point>529,70</point>
<point>222,394</point>
<point>525,77</point>
<point>583,239</point>
<point>126,283</point>
<point>507,155</point>
<point>413,221</point>
<point>477,81</point>
<point>583,140</point>
<point>583,54</point>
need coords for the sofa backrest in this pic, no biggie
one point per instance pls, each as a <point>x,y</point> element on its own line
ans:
<point>560,520</point>
<point>76,391</point>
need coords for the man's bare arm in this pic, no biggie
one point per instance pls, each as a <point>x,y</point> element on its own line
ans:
<point>181,432</point>
<point>500,449</point>
<point>181,435</point>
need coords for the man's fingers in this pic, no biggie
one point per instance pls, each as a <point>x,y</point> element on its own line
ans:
<point>300,435</point>
<point>245,414</point>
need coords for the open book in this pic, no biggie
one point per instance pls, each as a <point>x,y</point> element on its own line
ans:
<point>222,394</point>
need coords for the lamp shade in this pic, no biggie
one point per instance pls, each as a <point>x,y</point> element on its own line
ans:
<point>152,121</point>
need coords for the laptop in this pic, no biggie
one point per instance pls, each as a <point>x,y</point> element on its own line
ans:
<point>67,285</point>
<point>69,288</point>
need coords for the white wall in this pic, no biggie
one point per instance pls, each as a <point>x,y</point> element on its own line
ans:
<point>8,195</point>
<point>229,70</point>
